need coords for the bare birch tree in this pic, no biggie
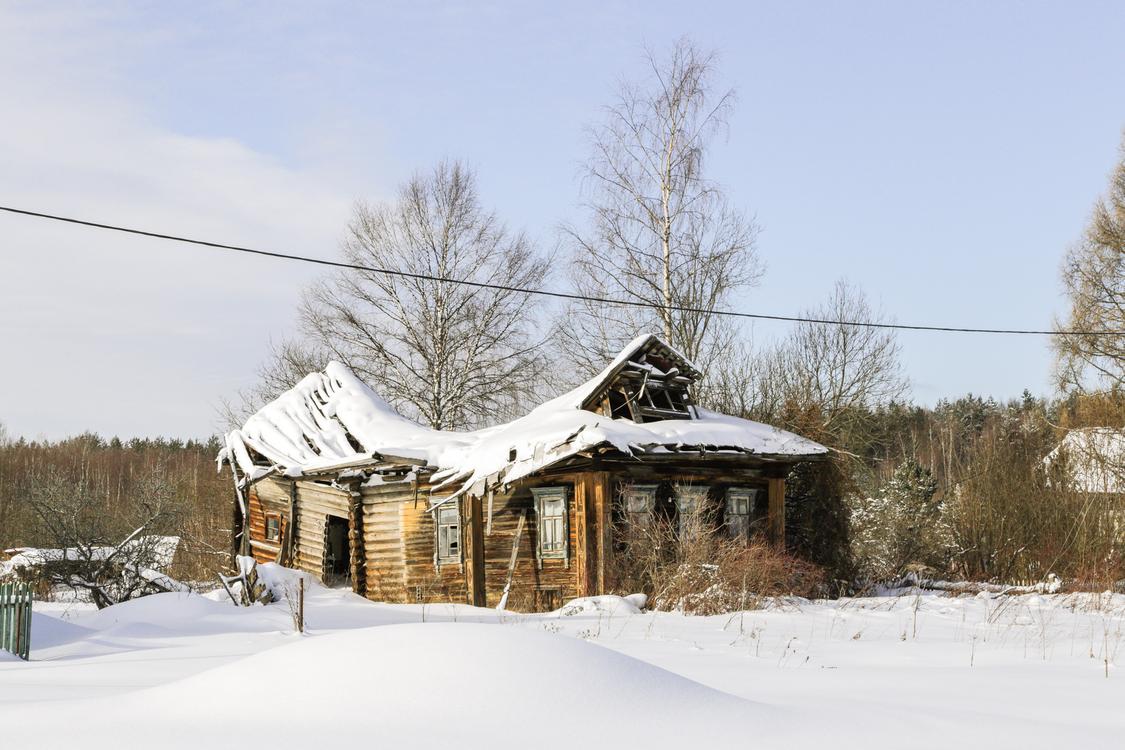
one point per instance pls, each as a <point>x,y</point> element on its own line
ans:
<point>839,369</point>
<point>660,232</point>
<point>1093,276</point>
<point>449,354</point>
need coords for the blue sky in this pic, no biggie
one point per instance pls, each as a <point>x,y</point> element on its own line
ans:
<point>942,156</point>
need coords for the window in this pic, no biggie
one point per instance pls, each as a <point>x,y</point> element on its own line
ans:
<point>639,501</point>
<point>740,503</point>
<point>449,532</point>
<point>690,502</point>
<point>550,508</point>
<point>273,528</point>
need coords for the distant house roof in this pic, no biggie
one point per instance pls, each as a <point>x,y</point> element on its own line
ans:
<point>1094,459</point>
<point>331,419</point>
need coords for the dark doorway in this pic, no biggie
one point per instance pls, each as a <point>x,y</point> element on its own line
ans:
<point>337,560</point>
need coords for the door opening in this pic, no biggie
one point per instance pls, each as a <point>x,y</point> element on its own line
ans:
<point>337,558</point>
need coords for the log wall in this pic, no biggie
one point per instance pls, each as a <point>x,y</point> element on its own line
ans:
<point>263,501</point>
<point>394,527</point>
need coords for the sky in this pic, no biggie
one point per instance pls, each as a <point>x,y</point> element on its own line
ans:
<point>941,156</point>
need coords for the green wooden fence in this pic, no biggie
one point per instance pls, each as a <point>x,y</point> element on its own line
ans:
<point>15,618</point>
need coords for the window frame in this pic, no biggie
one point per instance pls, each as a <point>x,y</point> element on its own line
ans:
<point>690,523</point>
<point>630,492</point>
<point>275,518</point>
<point>444,554</point>
<point>740,525</point>
<point>541,496</point>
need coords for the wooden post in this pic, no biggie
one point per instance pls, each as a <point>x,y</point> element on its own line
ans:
<point>289,532</point>
<point>301,604</point>
<point>776,517</point>
<point>474,573</point>
<point>603,523</point>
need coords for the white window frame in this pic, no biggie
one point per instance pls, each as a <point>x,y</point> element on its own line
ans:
<point>448,546</point>
<point>558,523</point>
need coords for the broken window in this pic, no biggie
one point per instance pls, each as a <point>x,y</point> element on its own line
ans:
<point>550,508</point>
<point>273,528</point>
<point>449,532</point>
<point>639,501</point>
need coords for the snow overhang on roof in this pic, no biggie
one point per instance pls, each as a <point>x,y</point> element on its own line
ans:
<point>332,419</point>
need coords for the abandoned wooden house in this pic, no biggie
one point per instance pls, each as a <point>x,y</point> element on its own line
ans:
<point>331,480</point>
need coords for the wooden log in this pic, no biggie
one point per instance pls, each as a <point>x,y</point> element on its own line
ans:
<point>356,546</point>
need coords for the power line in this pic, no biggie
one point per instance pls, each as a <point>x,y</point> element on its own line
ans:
<point>540,292</point>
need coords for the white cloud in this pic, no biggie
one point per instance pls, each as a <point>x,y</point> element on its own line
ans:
<point>123,334</point>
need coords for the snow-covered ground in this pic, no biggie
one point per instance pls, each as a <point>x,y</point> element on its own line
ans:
<point>180,671</point>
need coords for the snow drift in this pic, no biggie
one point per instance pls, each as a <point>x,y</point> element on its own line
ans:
<point>417,685</point>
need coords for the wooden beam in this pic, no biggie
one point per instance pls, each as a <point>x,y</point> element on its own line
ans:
<point>776,513</point>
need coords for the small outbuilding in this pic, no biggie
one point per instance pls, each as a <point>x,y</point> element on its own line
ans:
<point>1091,460</point>
<point>331,480</point>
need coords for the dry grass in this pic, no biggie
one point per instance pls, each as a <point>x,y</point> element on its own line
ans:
<point>703,572</point>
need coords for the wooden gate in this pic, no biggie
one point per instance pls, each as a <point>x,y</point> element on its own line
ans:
<point>15,618</point>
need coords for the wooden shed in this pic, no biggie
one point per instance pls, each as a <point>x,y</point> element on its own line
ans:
<point>331,480</point>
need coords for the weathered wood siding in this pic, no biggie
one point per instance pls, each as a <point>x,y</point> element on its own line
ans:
<point>536,584</point>
<point>383,541</point>
<point>315,503</point>
<point>265,498</point>
<point>398,538</point>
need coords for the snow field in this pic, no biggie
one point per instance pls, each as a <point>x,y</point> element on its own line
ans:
<point>909,671</point>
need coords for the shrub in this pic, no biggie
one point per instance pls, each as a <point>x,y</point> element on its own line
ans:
<point>706,573</point>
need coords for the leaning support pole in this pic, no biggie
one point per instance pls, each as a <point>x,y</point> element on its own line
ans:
<point>512,562</point>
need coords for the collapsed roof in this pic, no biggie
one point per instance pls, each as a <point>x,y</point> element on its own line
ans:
<point>639,405</point>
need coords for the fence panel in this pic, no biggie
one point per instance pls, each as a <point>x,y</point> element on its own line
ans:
<point>15,619</point>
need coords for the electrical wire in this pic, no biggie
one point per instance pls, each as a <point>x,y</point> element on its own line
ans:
<point>544,292</point>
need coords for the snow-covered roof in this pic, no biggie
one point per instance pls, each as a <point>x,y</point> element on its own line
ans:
<point>332,419</point>
<point>1095,459</point>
